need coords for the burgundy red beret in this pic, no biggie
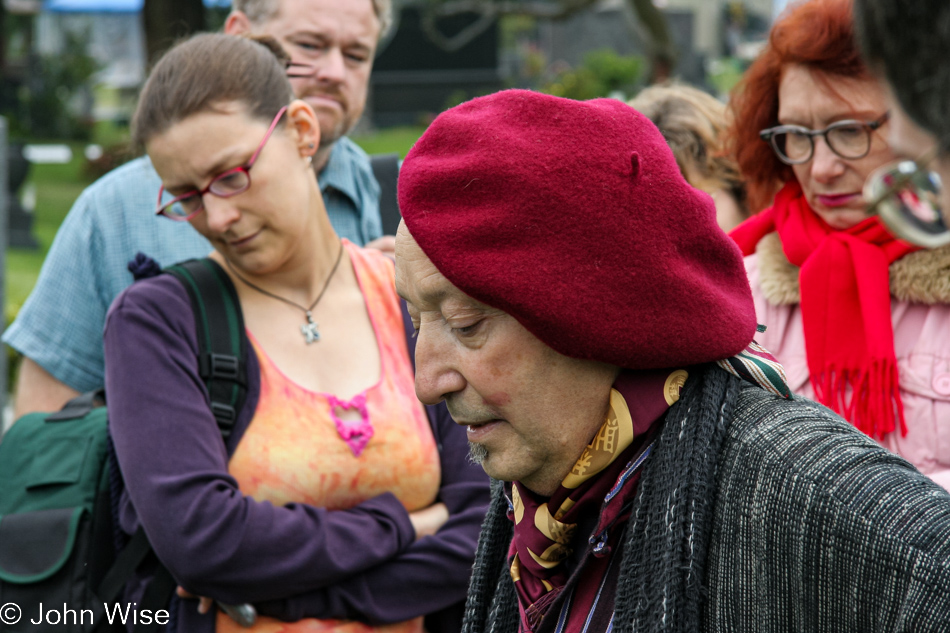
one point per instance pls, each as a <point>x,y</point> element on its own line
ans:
<point>573,217</point>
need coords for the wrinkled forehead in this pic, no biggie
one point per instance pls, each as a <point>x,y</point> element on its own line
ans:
<point>351,18</point>
<point>423,286</point>
<point>418,281</point>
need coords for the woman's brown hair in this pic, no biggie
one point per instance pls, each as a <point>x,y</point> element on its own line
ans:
<point>207,70</point>
<point>818,34</point>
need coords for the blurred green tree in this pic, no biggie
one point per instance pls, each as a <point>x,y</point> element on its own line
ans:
<point>167,21</point>
<point>601,74</point>
<point>51,102</point>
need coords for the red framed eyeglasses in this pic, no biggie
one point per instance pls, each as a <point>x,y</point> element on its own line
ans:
<point>224,185</point>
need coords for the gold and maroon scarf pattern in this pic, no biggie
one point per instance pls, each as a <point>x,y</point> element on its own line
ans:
<point>545,528</point>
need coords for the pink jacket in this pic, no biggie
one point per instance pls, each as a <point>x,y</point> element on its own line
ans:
<point>920,309</point>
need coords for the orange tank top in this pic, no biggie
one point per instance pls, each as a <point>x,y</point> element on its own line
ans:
<point>297,448</point>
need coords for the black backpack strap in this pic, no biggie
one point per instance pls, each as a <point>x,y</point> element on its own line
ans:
<point>222,344</point>
<point>386,170</point>
<point>157,596</point>
<point>158,593</point>
<point>222,348</point>
<point>125,564</point>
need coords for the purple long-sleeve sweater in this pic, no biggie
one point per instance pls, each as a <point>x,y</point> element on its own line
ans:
<point>291,561</point>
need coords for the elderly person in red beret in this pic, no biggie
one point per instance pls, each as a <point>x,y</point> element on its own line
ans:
<point>582,315</point>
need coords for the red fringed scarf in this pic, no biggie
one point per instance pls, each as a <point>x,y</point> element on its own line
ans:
<point>846,307</point>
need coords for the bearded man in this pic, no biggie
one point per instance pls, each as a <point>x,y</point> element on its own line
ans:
<point>332,44</point>
<point>580,312</point>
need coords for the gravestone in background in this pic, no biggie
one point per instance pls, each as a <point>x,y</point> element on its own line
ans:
<point>414,79</point>
<point>19,221</point>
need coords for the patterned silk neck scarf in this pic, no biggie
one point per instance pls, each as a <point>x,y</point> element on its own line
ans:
<point>545,527</point>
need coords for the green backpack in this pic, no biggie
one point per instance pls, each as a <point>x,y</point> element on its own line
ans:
<point>60,547</point>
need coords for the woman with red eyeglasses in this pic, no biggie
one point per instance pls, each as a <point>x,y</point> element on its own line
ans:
<point>859,318</point>
<point>337,502</point>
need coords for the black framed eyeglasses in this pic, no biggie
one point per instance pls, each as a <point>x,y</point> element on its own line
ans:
<point>224,185</point>
<point>906,195</point>
<point>850,139</point>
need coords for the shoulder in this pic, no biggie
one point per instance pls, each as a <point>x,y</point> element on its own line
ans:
<point>351,157</point>
<point>377,280</point>
<point>922,277</point>
<point>763,419</point>
<point>775,278</point>
<point>160,300</point>
<point>373,259</point>
<point>351,151</point>
<point>801,456</point>
<point>116,212</point>
<point>107,204</point>
<point>799,435</point>
<point>350,171</point>
<point>136,180</point>
<point>376,274</point>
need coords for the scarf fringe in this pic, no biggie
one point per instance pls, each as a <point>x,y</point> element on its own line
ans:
<point>855,395</point>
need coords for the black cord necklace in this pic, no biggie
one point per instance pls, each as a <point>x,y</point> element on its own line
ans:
<point>309,330</point>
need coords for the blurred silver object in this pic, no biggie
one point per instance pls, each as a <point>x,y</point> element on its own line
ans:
<point>244,614</point>
<point>906,196</point>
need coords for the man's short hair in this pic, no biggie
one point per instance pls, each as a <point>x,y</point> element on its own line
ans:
<point>259,11</point>
<point>909,42</point>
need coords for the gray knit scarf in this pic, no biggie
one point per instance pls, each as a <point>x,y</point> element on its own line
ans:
<point>663,566</point>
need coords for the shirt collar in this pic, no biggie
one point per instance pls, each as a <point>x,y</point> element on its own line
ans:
<point>339,172</point>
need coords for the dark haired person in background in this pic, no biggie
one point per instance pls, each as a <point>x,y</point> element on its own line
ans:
<point>908,45</point>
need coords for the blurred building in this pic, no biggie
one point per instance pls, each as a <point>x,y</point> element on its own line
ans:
<point>115,38</point>
<point>112,30</point>
<point>711,20</point>
<point>703,31</point>
<point>413,77</point>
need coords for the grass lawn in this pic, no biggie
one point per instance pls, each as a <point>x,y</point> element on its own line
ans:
<point>58,186</point>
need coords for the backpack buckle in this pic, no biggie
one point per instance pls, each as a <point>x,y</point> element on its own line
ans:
<point>225,416</point>
<point>219,366</point>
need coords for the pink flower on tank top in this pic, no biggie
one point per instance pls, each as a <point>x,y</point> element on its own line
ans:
<point>356,433</point>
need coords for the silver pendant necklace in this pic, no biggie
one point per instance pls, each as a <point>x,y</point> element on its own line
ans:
<point>310,331</point>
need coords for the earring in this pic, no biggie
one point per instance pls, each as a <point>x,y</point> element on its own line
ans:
<point>311,146</point>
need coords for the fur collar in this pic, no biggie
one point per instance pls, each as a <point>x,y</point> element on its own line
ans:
<point>921,277</point>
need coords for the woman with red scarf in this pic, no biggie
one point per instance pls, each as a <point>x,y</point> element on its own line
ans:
<point>859,319</point>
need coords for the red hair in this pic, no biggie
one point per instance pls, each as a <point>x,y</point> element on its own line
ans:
<point>818,34</point>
